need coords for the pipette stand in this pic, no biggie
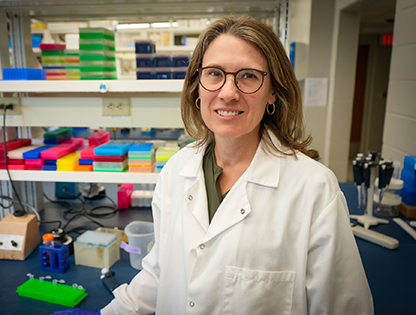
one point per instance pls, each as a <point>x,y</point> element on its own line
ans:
<point>368,219</point>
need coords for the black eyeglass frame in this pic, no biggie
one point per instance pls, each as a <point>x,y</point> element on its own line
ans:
<point>263,74</point>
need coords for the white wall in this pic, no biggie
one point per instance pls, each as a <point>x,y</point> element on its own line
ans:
<point>399,138</point>
<point>320,42</point>
<point>375,94</point>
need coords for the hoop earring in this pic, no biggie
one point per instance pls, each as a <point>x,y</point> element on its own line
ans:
<point>196,103</point>
<point>268,111</point>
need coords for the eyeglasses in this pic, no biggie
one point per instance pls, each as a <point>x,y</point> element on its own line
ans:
<point>248,81</point>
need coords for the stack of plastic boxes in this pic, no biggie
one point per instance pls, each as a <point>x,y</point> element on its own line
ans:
<point>141,158</point>
<point>57,136</point>
<point>144,59</point>
<point>162,64</point>
<point>111,157</point>
<point>12,145</point>
<point>180,64</point>
<point>72,64</point>
<point>33,160</point>
<point>151,65</point>
<point>163,154</point>
<point>53,61</point>
<point>409,182</point>
<point>97,54</point>
<point>86,159</point>
<point>15,159</point>
<point>56,152</point>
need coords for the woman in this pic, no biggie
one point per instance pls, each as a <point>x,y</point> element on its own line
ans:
<point>246,221</point>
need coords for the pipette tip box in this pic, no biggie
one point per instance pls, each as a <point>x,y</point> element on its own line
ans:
<point>96,249</point>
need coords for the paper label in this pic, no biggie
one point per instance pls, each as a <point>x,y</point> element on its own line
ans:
<point>130,249</point>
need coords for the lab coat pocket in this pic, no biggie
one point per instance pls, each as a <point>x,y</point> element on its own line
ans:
<point>258,292</point>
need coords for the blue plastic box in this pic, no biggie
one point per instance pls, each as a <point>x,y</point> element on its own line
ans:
<point>21,74</point>
<point>163,74</point>
<point>162,61</point>
<point>145,74</point>
<point>145,47</point>
<point>178,73</point>
<point>180,61</point>
<point>144,61</point>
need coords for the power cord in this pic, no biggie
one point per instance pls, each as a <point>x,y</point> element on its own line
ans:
<point>17,213</point>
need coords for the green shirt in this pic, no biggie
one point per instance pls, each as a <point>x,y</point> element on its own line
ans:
<point>211,173</point>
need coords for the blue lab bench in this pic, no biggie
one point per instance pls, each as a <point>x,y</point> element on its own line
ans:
<point>391,273</point>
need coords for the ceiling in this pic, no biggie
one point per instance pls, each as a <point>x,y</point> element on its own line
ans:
<point>136,10</point>
<point>377,16</point>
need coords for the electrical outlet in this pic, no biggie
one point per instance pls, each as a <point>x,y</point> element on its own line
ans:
<point>116,106</point>
<point>15,101</point>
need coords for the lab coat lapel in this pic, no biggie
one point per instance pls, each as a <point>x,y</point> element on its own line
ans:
<point>264,170</point>
<point>194,194</point>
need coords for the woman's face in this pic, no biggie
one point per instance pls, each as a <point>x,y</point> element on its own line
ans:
<point>229,113</point>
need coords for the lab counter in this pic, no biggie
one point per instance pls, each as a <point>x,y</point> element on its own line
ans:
<point>391,273</point>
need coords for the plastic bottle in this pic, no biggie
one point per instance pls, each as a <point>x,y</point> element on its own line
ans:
<point>48,240</point>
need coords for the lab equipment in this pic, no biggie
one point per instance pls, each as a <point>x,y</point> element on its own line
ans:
<point>358,172</point>
<point>19,236</point>
<point>141,157</point>
<point>99,138</point>
<point>124,196</point>
<point>114,148</point>
<point>405,227</point>
<point>56,293</point>
<point>375,237</point>
<point>385,173</point>
<point>140,234</point>
<point>370,164</point>
<point>15,74</point>
<point>96,249</point>
<point>108,279</point>
<point>163,154</point>
<point>53,256</point>
<point>72,64</point>
<point>53,61</point>
<point>97,54</point>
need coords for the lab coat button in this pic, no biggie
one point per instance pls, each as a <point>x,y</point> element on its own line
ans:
<point>191,304</point>
<point>190,197</point>
<point>202,246</point>
<point>242,211</point>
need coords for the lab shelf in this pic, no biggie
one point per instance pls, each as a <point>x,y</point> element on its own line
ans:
<point>81,177</point>
<point>83,86</point>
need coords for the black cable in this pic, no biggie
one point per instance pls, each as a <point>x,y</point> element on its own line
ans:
<point>16,212</point>
<point>60,202</point>
<point>114,208</point>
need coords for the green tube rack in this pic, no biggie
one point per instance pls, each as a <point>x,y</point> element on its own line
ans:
<point>52,292</point>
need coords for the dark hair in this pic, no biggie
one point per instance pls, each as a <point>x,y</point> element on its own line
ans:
<point>287,121</point>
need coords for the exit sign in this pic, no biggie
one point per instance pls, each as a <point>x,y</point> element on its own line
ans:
<point>387,39</point>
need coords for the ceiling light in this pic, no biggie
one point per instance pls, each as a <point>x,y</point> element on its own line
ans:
<point>140,25</point>
<point>161,24</point>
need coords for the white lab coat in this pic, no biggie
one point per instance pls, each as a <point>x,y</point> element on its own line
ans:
<point>280,243</point>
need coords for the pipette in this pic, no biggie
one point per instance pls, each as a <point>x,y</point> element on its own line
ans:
<point>369,176</point>
<point>385,172</point>
<point>358,172</point>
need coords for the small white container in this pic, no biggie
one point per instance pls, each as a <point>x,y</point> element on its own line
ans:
<point>140,234</point>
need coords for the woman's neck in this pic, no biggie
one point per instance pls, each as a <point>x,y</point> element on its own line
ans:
<point>231,153</point>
